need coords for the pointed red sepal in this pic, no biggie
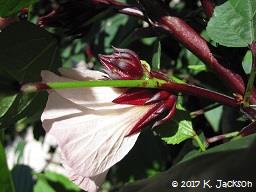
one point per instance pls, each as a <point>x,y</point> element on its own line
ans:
<point>146,119</point>
<point>135,96</point>
<point>161,95</point>
<point>157,113</point>
<point>172,111</point>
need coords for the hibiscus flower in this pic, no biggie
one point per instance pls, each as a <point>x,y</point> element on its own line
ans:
<point>91,131</point>
<point>96,127</point>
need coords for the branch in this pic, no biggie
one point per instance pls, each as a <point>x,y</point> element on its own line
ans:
<point>195,43</point>
<point>151,83</point>
<point>208,7</point>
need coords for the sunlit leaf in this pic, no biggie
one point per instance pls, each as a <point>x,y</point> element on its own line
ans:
<point>42,186</point>
<point>247,62</point>
<point>5,103</point>
<point>179,129</point>
<point>234,23</point>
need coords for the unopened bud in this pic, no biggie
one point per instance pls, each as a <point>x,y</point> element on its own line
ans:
<point>122,64</point>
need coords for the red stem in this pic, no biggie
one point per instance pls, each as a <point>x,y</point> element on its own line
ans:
<point>200,92</point>
<point>208,6</point>
<point>194,42</point>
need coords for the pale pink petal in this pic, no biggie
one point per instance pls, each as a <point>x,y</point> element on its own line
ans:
<point>91,132</point>
<point>91,140</point>
<point>79,74</point>
<point>91,184</point>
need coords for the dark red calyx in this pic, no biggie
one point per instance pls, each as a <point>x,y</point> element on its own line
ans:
<point>170,109</point>
<point>135,96</point>
<point>160,113</point>
<point>122,64</point>
<point>161,95</point>
<point>146,119</point>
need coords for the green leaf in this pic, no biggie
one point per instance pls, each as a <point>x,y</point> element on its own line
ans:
<point>247,62</point>
<point>61,179</point>
<point>181,125</point>
<point>5,103</point>
<point>185,131</point>
<point>50,181</point>
<point>156,60</point>
<point>25,50</point>
<point>22,178</point>
<point>194,64</point>
<point>42,186</point>
<point>148,40</point>
<point>234,23</point>
<point>246,8</point>
<point>231,161</point>
<point>214,116</point>
<point>6,182</point>
<point>112,28</point>
<point>197,68</point>
<point>10,7</point>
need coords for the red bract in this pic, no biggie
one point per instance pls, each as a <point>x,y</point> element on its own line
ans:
<point>122,64</point>
<point>163,110</point>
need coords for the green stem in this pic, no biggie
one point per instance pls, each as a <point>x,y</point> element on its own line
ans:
<point>149,83</point>
<point>199,142</point>
<point>250,84</point>
<point>152,83</point>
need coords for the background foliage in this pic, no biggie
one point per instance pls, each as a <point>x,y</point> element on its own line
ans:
<point>26,49</point>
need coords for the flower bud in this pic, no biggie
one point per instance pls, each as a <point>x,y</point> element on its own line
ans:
<point>122,64</point>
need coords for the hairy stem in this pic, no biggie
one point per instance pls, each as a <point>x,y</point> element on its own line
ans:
<point>151,83</point>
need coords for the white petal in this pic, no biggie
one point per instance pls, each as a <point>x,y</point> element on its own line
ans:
<point>91,140</point>
<point>93,98</point>
<point>81,74</point>
<point>91,184</point>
